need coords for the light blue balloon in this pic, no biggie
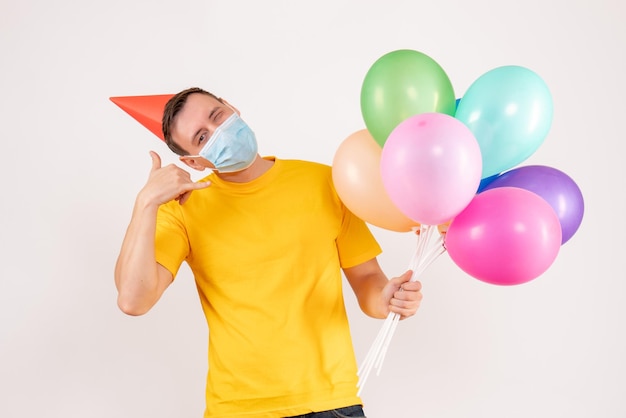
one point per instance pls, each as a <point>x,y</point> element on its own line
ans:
<point>509,111</point>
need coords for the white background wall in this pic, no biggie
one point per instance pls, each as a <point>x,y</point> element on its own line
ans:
<point>72,163</point>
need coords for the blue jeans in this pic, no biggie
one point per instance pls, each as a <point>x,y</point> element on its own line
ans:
<point>348,411</point>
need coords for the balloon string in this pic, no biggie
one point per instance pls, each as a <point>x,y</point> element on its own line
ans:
<point>423,264</point>
<point>423,238</point>
<point>419,262</point>
<point>372,355</point>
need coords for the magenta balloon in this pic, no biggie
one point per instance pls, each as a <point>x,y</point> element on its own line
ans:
<point>505,236</point>
<point>431,167</point>
<point>556,187</point>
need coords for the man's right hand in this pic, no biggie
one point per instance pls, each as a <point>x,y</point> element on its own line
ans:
<point>168,183</point>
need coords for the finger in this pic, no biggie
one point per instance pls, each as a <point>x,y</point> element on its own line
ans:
<point>406,296</point>
<point>411,286</point>
<point>201,185</point>
<point>184,197</point>
<point>409,291</point>
<point>156,161</point>
<point>404,304</point>
<point>407,304</point>
<point>404,312</point>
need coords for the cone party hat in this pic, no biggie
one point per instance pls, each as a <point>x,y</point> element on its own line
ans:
<point>147,110</point>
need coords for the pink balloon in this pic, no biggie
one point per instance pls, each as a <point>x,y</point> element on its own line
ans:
<point>431,167</point>
<point>505,236</point>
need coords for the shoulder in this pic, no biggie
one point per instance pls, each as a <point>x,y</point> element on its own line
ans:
<point>306,167</point>
<point>307,172</point>
<point>309,177</point>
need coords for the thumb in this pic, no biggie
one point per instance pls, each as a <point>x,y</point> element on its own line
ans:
<point>156,161</point>
<point>404,277</point>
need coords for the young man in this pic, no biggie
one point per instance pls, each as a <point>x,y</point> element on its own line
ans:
<point>266,240</point>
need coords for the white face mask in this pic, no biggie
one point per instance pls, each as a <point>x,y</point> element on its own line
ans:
<point>232,147</point>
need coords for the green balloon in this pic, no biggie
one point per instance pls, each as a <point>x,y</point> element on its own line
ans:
<point>402,84</point>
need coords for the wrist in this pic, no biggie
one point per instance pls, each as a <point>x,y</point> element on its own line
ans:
<point>378,306</point>
<point>144,203</point>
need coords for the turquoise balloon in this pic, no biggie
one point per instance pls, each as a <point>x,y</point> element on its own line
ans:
<point>509,111</point>
<point>401,84</point>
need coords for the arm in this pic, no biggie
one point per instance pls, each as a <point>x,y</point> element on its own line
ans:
<point>378,295</point>
<point>139,279</point>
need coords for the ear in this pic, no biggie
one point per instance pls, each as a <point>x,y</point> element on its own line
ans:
<point>196,162</point>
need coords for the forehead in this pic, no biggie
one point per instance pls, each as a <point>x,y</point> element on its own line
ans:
<point>195,111</point>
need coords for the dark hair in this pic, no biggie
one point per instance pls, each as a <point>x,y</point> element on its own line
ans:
<point>172,107</point>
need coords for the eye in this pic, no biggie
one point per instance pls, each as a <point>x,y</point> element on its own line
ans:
<point>215,115</point>
<point>202,138</point>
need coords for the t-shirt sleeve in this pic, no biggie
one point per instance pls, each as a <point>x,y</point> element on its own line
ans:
<point>171,243</point>
<point>355,243</point>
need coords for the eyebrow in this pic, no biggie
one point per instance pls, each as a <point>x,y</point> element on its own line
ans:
<point>215,109</point>
<point>194,139</point>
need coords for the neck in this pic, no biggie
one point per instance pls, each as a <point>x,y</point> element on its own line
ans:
<point>256,170</point>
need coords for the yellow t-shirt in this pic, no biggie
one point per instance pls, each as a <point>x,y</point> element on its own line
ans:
<point>266,256</point>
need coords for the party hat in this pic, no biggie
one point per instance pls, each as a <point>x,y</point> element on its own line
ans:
<point>147,110</point>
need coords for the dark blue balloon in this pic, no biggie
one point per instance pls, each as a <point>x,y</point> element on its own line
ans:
<point>486,182</point>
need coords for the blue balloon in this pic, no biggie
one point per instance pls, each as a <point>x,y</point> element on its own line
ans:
<point>509,111</point>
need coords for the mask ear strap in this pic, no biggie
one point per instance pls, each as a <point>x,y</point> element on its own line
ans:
<point>195,162</point>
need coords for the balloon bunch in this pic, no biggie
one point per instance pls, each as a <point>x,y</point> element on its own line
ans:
<point>428,161</point>
<point>512,230</point>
